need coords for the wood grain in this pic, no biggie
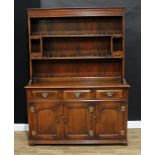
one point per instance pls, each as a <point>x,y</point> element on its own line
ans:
<point>77,93</point>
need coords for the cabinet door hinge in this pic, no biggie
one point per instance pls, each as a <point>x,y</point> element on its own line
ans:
<point>33,133</point>
<point>32,109</point>
<point>91,109</point>
<point>91,133</point>
<point>123,108</point>
<point>122,132</point>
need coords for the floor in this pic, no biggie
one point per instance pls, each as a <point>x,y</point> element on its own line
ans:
<point>133,148</point>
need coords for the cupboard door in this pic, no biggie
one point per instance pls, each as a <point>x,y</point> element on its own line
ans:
<point>46,121</point>
<point>76,121</point>
<point>110,120</point>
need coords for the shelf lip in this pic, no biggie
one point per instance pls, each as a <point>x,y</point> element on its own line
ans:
<point>75,79</point>
<point>46,86</point>
<point>58,8</point>
<point>74,36</point>
<point>73,58</point>
<point>75,12</point>
<point>85,83</point>
<point>82,100</point>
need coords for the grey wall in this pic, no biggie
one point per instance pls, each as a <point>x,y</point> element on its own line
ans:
<point>132,42</point>
<point>21,65</point>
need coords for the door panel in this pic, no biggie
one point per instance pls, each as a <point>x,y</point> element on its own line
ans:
<point>76,120</point>
<point>110,120</point>
<point>47,123</point>
<point>46,120</point>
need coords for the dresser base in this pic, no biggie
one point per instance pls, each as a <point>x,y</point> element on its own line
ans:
<point>109,142</point>
<point>91,115</point>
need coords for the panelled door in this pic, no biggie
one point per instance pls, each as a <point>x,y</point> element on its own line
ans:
<point>77,121</point>
<point>46,120</point>
<point>110,120</point>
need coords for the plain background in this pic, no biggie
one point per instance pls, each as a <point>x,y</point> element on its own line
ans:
<point>132,44</point>
<point>7,77</point>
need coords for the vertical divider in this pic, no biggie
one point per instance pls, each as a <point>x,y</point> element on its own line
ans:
<point>41,46</point>
<point>29,27</point>
<point>30,64</point>
<point>111,50</point>
<point>123,63</point>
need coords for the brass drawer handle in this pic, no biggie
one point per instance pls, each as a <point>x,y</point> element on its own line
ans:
<point>77,94</point>
<point>109,94</point>
<point>44,94</point>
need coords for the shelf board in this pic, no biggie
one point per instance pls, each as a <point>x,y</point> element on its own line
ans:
<point>76,35</point>
<point>85,83</point>
<point>77,57</point>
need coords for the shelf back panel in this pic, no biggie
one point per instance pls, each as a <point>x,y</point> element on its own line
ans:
<point>117,44</point>
<point>76,25</point>
<point>35,46</point>
<point>59,47</point>
<point>82,68</point>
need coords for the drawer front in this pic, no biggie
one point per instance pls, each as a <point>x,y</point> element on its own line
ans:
<point>77,94</point>
<point>45,95</point>
<point>107,94</point>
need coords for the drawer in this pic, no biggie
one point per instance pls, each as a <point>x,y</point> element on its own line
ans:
<point>107,94</point>
<point>45,95</point>
<point>76,94</point>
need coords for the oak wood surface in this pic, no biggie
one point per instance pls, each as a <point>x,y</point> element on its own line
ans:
<point>71,12</point>
<point>79,84</point>
<point>77,93</point>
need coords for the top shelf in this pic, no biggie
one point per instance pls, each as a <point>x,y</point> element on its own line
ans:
<point>75,12</point>
<point>76,27</point>
<point>75,34</point>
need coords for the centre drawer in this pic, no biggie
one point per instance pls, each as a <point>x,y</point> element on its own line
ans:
<point>76,94</point>
<point>107,94</point>
<point>47,94</point>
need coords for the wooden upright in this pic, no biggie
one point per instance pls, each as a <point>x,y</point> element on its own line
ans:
<point>77,93</point>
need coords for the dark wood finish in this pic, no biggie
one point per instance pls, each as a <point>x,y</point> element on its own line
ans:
<point>110,120</point>
<point>77,121</point>
<point>108,94</point>
<point>45,94</point>
<point>46,121</point>
<point>77,93</point>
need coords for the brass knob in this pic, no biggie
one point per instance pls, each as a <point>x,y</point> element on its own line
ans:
<point>57,119</point>
<point>65,120</point>
<point>44,94</point>
<point>97,120</point>
<point>60,114</point>
<point>109,93</point>
<point>77,94</point>
<point>94,117</point>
